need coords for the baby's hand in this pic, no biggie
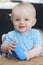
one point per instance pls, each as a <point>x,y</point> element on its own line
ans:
<point>27,55</point>
<point>11,46</point>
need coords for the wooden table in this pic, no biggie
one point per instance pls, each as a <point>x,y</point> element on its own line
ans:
<point>34,61</point>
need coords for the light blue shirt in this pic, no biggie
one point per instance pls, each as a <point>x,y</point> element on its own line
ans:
<point>26,41</point>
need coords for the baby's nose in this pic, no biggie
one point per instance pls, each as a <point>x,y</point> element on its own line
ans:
<point>22,21</point>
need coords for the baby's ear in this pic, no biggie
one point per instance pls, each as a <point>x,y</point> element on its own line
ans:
<point>34,22</point>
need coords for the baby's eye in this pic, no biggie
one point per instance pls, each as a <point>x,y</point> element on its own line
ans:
<point>17,19</point>
<point>26,19</point>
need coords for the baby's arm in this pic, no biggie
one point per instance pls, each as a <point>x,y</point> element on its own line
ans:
<point>11,49</point>
<point>34,52</point>
<point>8,47</point>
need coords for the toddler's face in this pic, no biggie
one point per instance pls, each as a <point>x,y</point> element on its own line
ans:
<point>23,19</point>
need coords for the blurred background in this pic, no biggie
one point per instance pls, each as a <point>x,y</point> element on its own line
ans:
<point>37,1</point>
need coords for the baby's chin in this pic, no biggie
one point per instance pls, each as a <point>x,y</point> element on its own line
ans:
<point>22,31</point>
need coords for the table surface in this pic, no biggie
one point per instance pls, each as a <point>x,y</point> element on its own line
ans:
<point>33,61</point>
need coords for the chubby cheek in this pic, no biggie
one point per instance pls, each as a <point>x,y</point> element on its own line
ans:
<point>15,25</point>
<point>29,26</point>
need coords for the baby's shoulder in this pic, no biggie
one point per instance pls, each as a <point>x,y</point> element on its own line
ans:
<point>35,31</point>
<point>11,33</point>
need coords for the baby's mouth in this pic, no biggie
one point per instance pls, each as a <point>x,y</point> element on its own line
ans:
<point>21,26</point>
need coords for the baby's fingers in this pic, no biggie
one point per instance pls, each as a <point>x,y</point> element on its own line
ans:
<point>13,46</point>
<point>14,42</point>
<point>10,51</point>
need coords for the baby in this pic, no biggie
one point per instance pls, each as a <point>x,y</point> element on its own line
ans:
<point>23,42</point>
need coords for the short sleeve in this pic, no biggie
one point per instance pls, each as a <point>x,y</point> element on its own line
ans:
<point>37,37</point>
<point>7,39</point>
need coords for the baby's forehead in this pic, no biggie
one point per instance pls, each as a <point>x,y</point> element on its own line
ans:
<point>24,7</point>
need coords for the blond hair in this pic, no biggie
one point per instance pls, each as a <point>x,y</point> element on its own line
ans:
<point>24,4</point>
